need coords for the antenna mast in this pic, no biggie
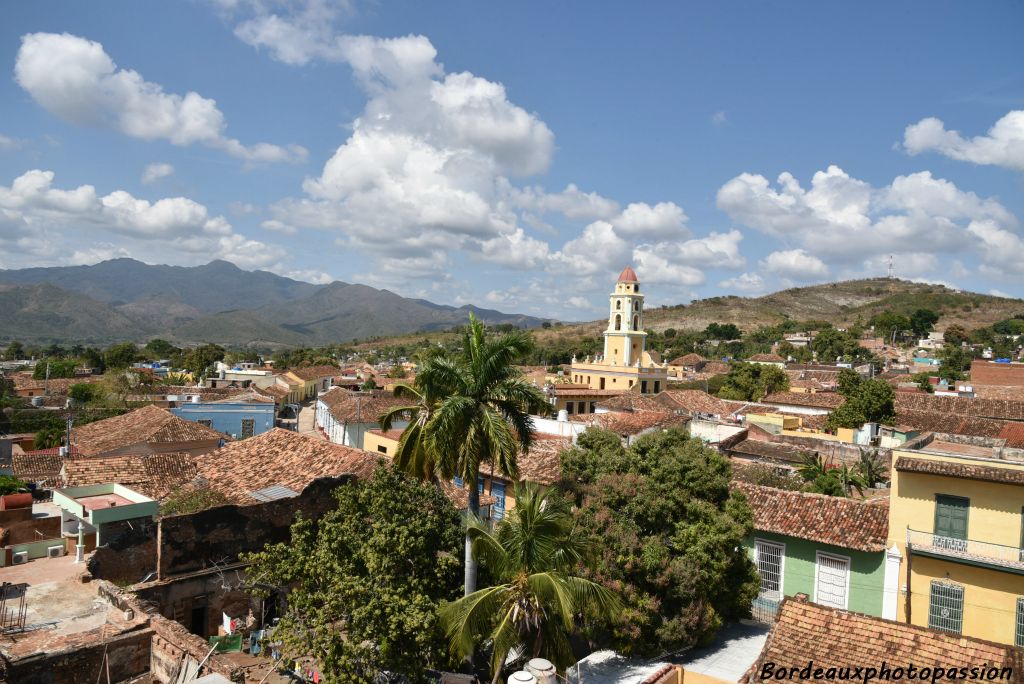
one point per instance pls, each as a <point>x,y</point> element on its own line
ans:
<point>892,272</point>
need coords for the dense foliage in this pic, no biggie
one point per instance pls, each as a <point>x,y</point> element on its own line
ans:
<point>870,401</point>
<point>534,601</point>
<point>753,381</point>
<point>365,583</point>
<point>10,485</point>
<point>670,535</point>
<point>56,367</point>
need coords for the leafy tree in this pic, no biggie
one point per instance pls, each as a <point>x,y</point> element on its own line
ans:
<point>955,361</point>
<point>831,344</point>
<point>121,355</point>
<point>49,437</point>
<point>849,381</point>
<point>470,408</point>
<point>160,349</point>
<point>369,385</point>
<point>84,392</point>
<point>192,500</point>
<point>874,401</point>
<point>922,321</point>
<point>828,483</point>
<point>59,368</point>
<point>753,381</point>
<point>871,467</point>
<point>10,485</point>
<point>14,351</point>
<point>93,358</point>
<point>175,379</point>
<point>923,382</point>
<point>670,536</point>
<point>397,371</point>
<point>199,360</point>
<point>670,333</point>
<point>364,585</point>
<point>955,335</point>
<point>811,467</point>
<point>722,331</point>
<point>532,605</point>
<point>888,322</point>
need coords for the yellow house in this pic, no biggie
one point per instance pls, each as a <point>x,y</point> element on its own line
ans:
<point>956,530</point>
<point>625,363</point>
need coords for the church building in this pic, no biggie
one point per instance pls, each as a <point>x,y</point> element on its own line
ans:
<point>625,363</point>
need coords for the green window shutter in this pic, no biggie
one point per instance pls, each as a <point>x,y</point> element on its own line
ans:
<point>951,516</point>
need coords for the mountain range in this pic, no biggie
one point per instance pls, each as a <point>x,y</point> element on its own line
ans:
<point>125,299</point>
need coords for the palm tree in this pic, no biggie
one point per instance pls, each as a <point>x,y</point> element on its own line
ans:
<point>850,479</point>
<point>871,468</point>
<point>470,408</point>
<point>812,467</point>
<point>532,607</point>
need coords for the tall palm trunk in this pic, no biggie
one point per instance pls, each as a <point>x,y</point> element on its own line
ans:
<point>474,510</point>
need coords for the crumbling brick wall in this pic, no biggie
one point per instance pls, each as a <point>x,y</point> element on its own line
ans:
<point>188,543</point>
<point>82,659</point>
<point>127,557</point>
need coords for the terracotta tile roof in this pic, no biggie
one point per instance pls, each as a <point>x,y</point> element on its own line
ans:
<point>154,475</point>
<point>279,458</point>
<point>631,401</point>
<point>966,471</point>
<point>365,407</point>
<point>716,368</point>
<point>835,520</point>
<point>276,391</point>
<point>690,359</point>
<point>314,372</point>
<point>38,467</point>
<point>459,496</point>
<point>1013,433</point>
<point>822,376</point>
<point>766,358</point>
<point>629,423</point>
<point>807,632</point>
<point>998,391</point>
<point>542,463</point>
<point>956,424</point>
<point>146,425</point>
<point>982,408</point>
<point>772,451</point>
<point>828,400</point>
<point>628,275</point>
<point>691,401</point>
<point>56,386</point>
<point>251,395</point>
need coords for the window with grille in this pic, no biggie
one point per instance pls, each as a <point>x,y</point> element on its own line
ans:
<point>498,492</point>
<point>1020,623</point>
<point>768,557</point>
<point>832,578</point>
<point>946,607</point>
<point>248,427</point>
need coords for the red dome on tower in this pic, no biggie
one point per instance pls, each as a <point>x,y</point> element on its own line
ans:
<point>628,275</point>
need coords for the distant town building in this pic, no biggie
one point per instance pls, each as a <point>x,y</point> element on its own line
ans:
<point>625,363</point>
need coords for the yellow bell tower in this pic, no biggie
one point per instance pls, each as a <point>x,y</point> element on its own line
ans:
<point>624,338</point>
<point>625,365</point>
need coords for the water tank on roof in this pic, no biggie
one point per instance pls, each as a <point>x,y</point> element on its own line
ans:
<point>37,401</point>
<point>542,669</point>
<point>195,399</point>
<point>521,678</point>
<point>563,416</point>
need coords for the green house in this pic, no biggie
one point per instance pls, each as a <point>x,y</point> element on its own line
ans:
<point>830,548</point>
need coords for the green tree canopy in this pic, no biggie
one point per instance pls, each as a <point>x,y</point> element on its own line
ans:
<point>849,382</point>
<point>670,535</point>
<point>10,485</point>
<point>889,322</point>
<point>160,349</point>
<point>85,392</point>
<point>922,321</point>
<point>722,331</point>
<point>199,360</point>
<point>15,350</point>
<point>873,401</point>
<point>121,355</point>
<point>467,409</point>
<point>753,381</point>
<point>534,599</point>
<point>58,368</point>
<point>364,584</point>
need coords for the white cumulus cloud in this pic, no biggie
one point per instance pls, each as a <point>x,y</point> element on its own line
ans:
<point>1002,146</point>
<point>76,80</point>
<point>795,264</point>
<point>154,172</point>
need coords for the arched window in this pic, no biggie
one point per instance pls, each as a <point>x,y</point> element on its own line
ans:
<point>636,306</point>
<point>636,322</point>
<point>618,321</point>
<point>618,303</point>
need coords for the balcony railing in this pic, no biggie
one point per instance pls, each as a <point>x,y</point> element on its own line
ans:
<point>968,550</point>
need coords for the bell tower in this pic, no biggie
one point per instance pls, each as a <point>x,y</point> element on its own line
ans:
<point>624,338</point>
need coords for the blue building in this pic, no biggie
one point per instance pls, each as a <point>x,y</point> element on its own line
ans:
<point>239,419</point>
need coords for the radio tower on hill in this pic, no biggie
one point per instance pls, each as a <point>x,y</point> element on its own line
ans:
<point>892,271</point>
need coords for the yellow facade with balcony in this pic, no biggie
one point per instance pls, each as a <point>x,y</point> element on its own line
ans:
<point>956,521</point>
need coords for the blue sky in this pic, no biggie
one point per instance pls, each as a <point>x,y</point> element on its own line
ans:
<point>518,155</point>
